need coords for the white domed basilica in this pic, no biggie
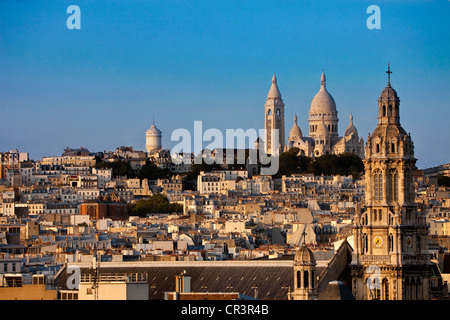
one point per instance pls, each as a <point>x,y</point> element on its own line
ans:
<point>323,129</point>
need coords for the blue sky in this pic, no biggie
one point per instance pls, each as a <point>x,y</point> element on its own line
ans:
<point>211,60</point>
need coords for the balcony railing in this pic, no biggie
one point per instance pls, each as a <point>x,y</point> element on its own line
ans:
<point>113,277</point>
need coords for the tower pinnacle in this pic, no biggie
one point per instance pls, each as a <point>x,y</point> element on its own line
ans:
<point>389,75</point>
<point>323,79</point>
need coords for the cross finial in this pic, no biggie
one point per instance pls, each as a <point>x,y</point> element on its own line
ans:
<point>389,74</point>
<point>304,236</point>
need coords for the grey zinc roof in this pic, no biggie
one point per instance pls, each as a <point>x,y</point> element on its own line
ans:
<point>336,290</point>
<point>250,279</point>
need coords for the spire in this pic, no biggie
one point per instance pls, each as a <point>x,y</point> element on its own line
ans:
<point>389,75</point>
<point>295,118</point>
<point>304,236</point>
<point>351,119</point>
<point>322,79</point>
<point>274,92</point>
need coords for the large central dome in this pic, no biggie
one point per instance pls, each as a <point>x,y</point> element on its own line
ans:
<point>323,102</point>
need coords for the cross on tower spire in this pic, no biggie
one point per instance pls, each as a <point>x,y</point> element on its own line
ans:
<point>389,75</point>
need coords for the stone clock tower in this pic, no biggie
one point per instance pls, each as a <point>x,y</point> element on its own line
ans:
<point>391,260</point>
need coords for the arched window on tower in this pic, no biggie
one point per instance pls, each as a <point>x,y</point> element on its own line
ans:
<point>305,279</point>
<point>269,113</point>
<point>386,289</point>
<point>365,244</point>
<point>393,185</point>
<point>278,112</point>
<point>378,148</point>
<point>384,111</point>
<point>408,192</point>
<point>299,279</point>
<point>378,186</point>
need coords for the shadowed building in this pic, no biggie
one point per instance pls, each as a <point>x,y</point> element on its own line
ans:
<point>272,279</point>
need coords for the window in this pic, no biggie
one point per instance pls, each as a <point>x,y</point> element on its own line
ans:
<point>393,185</point>
<point>384,111</point>
<point>392,147</point>
<point>378,148</point>
<point>378,186</point>
<point>305,279</point>
<point>364,244</point>
<point>386,289</point>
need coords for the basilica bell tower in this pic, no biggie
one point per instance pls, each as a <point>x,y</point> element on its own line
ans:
<point>274,120</point>
<point>390,259</point>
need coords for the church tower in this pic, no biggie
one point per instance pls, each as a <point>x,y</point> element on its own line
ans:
<point>274,119</point>
<point>390,261</point>
<point>305,284</point>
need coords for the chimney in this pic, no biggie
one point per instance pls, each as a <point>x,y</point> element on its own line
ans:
<point>183,283</point>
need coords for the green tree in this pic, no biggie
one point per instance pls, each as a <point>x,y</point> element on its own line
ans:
<point>289,162</point>
<point>119,168</point>
<point>151,171</point>
<point>329,164</point>
<point>157,203</point>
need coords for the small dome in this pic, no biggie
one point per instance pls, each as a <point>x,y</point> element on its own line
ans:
<point>351,129</point>
<point>304,254</point>
<point>388,93</point>
<point>295,132</point>
<point>274,92</point>
<point>323,102</point>
<point>154,131</point>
